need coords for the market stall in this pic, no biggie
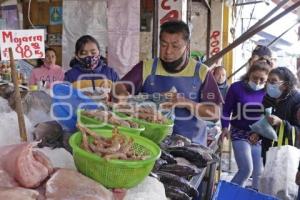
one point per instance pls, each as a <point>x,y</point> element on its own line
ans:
<point>156,137</point>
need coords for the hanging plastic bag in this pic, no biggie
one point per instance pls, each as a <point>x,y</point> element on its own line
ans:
<point>278,178</point>
<point>264,128</point>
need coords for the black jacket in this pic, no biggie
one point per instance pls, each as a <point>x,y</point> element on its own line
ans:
<point>288,109</point>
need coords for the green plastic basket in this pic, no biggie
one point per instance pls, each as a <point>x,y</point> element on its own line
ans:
<point>94,123</point>
<point>115,173</point>
<point>155,132</point>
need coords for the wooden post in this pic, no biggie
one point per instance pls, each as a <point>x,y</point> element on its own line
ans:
<point>17,96</point>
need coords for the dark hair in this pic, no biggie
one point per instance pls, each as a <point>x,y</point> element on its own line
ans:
<point>218,68</point>
<point>84,40</point>
<point>262,51</point>
<point>40,62</point>
<point>175,26</point>
<point>259,65</point>
<point>286,75</point>
<point>50,49</point>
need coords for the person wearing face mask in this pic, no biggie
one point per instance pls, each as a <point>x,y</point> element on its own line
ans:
<point>243,107</point>
<point>284,100</point>
<point>175,69</point>
<point>87,64</point>
<point>219,73</point>
<point>48,72</point>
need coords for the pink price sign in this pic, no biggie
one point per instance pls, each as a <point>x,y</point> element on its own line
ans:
<point>26,44</point>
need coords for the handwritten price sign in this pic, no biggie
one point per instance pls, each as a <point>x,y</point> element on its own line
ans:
<point>26,44</point>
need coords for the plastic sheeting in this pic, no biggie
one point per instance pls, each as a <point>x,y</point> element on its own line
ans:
<point>149,189</point>
<point>9,131</point>
<point>123,34</point>
<point>81,18</point>
<point>278,178</point>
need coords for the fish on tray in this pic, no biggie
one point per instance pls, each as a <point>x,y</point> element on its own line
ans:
<point>180,170</point>
<point>195,155</point>
<point>178,182</point>
<point>175,193</point>
<point>49,133</point>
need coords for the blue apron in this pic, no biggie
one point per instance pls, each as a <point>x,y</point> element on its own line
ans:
<point>192,127</point>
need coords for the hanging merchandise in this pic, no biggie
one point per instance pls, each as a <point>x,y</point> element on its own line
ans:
<point>89,16</point>
<point>123,24</point>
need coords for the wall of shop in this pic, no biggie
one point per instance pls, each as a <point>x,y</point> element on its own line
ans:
<point>199,27</point>
<point>40,16</point>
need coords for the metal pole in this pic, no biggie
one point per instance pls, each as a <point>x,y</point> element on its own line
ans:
<point>246,36</point>
<point>208,29</point>
<point>249,3</point>
<point>267,16</point>
<point>269,45</point>
<point>257,24</point>
<point>282,34</point>
<point>155,30</point>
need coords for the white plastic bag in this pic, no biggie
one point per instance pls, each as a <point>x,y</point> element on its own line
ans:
<point>278,178</point>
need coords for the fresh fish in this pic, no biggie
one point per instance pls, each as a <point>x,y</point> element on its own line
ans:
<point>175,141</point>
<point>167,157</point>
<point>180,170</point>
<point>176,181</point>
<point>195,155</point>
<point>175,193</point>
<point>158,164</point>
<point>7,92</point>
<point>50,133</point>
<point>185,162</point>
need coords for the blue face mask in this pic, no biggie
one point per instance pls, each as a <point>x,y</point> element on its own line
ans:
<point>255,86</point>
<point>273,90</point>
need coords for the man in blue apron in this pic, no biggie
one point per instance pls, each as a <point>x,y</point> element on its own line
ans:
<point>174,69</point>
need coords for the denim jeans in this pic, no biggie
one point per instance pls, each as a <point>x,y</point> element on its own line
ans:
<point>249,161</point>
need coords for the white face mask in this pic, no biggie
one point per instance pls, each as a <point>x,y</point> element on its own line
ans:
<point>273,90</point>
<point>255,86</point>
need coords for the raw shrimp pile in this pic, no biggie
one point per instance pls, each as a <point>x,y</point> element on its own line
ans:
<point>147,113</point>
<point>117,147</point>
<point>110,118</point>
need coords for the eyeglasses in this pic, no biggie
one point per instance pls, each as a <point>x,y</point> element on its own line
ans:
<point>275,82</point>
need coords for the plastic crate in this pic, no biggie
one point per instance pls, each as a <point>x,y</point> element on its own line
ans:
<point>226,190</point>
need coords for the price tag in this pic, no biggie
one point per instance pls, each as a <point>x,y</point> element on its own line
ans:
<point>26,44</point>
